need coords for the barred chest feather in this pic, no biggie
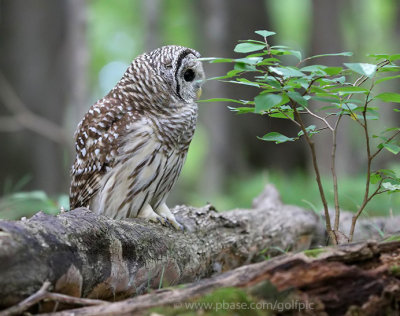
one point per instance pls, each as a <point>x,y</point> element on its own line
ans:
<point>148,163</point>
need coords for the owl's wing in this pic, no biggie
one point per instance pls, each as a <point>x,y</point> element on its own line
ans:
<point>97,139</point>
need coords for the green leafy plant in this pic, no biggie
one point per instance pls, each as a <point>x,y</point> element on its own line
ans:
<point>327,94</point>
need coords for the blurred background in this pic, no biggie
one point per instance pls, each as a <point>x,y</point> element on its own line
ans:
<point>58,57</point>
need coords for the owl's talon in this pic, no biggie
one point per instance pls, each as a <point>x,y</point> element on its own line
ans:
<point>165,212</point>
<point>181,227</point>
<point>167,222</point>
<point>148,214</point>
<point>174,223</point>
<point>161,220</point>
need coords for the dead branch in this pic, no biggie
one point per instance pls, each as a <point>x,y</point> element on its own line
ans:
<point>44,295</point>
<point>23,117</point>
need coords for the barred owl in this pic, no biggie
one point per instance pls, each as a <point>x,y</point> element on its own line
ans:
<point>131,145</point>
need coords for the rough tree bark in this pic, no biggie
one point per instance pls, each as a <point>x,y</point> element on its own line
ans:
<point>356,279</point>
<point>86,255</point>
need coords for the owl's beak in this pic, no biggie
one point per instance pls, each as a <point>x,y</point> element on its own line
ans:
<point>198,95</point>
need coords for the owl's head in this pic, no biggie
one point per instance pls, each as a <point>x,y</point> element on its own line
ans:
<point>180,68</point>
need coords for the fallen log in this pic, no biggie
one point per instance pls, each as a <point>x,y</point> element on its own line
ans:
<point>86,255</point>
<point>358,279</point>
<point>81,254</point>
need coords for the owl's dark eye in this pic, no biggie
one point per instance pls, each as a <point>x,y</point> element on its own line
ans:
<point>189,75</point>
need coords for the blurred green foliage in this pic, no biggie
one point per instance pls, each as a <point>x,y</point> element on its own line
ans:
<point>116,34</point>
<point>297,188</point>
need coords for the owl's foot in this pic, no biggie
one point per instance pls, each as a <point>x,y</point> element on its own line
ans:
<point>148,214</point>
<point>165,212</point>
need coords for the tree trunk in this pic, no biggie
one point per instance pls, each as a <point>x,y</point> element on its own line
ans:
<point>43,60</point>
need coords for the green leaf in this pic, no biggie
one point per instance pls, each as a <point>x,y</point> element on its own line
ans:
<point>249,60</point>
<point>393,148</point>
<point>390,186</point>
<point>230,74</point>
<point>310,131</point>
<point>221,60</point>
<point>248,82</point>
<point>388,173</point>
<point>244,67</point>
<point>389,97</point>
<point>391,129</point>
<point>298,82</point>
<point>394,57</point>
<point>362,68</point>
<point>241,110</point>
<point>279,52</point>
<point>319,69</point>
<point>276,137</point>
<point>386,78</point>
<point>379,56</point>
<point>385,56</point>
<point>272,82</point>
<point>333,71</point>
<point>269,61</point>
<point>287,72</point>
<point>375,177</point>
<point>389,68</point>
<point>252,41</point>
<point>221,100</point>
<point>349,90</point>
<point>335,54</point>
<point>282,112</point>
<point>264,33</point>
<point>325,99</point>
<point>265,102</point>
<point>244,81</point>
<point>296,53</point>
<point>248,47</point>
<point>297,97</point>
<point>216,59</point>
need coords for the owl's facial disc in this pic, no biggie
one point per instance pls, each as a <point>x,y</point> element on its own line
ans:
<point>189,76</point>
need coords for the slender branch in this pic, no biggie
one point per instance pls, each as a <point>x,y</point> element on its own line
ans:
<point>370,156</point>
<point>369,161</point>
<point>311,145</point>
<point>311,83</point>
<point>43,295</point>
<point>28,302</point>
<point>319,117</point>
<point>288,117</point>
<point>333,157</point>
<point>334,176</point>
<point>66,299</point>
<point>380,192</point>
<point>387,141</point>
<point>24,117</point>
<point>268,47</point>
<point>363,205</point>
